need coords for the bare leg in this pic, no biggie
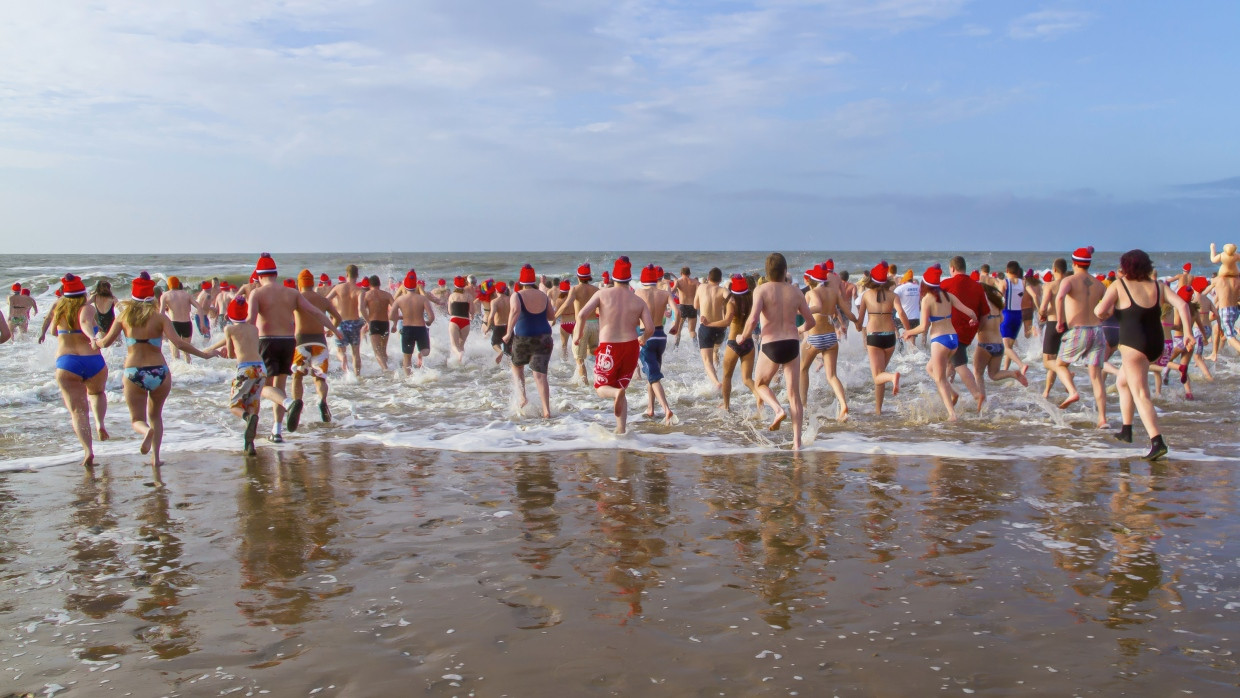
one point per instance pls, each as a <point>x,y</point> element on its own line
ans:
<point>708,362</point>
<point>1098,381</point>
<point>765,372</point>
<point>792,376</point>
<point>1065,377</point>
<point>73,391</point>
<point>747,363</point>
<point>518,374</point>
<point>136,401</point>
<point>378,343</point>
<point>1136,370</point>
<point>729,367</point>
<point>544,393</point>
<point>829,359</point>
<point>98,401</point>
<point>620,405</point>
<point>155,417</point>
<point>937,367</point>
<point>357,360</point>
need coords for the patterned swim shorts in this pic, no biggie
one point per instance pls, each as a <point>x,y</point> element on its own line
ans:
<point>248,386</point>
<point>1087,343</point>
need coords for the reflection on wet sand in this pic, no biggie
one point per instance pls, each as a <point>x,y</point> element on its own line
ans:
<point>345,570</point>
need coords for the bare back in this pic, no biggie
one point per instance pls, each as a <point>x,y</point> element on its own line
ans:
<point>176,305</point>
<point>271,309</point>
<point>710,302</point>
<point>377,302</point>
<point>345,297</point>
<point>412,309</point>
<point>686,288</point>
<point>1081,294</point>
<point>657,300</point>
<point>306,322</point>
<point>777,304</point>
<point>620,312</point>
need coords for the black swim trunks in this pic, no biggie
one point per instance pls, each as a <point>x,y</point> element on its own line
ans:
<point>184,330</point>
<point>414,337</point>
<point>881,340</point>
<point>960,357</point>
<point>687,312</point>
<point>380,328</point>
<point>782,351</point>
<point>1051,339</point>
<point>277,353</point>
<point>497,338</point>
<point>711,337</point>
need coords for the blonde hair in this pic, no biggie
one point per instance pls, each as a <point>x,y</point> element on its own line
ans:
<point>67,312</point>
<point>136,313</point>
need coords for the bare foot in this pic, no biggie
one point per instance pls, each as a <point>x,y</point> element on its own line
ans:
<point>145,448</point>
<point>619,430</point>
<point>895,387</point>
<point>668,419</point>
<point>951,416</point>
<point>843,415</point>
<point>89,461</point>
<point>1069,400</point>
<point>156,463</point>
<point>779,419</point>
<point>1020,377</point>
<point>650,412</point>
<point>955,399</point>
<point>103,433</point>
<point>980,404</point>
<point>1188,396</point>
<point>1102,424</point>
<point>523,402</point>
<point>546,414</point>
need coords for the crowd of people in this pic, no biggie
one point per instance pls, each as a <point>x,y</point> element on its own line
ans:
<point>772,325</point>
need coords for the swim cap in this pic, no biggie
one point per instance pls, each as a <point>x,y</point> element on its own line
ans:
<point>174,283</point>
<point>932,276</point>
<point>908,276</point>
<point>238,309</point>
<point>288,283</point>
<point>142,289</point>
<point>72,286</point>
<point>266,265</point>
<point>565,286</point>
<point>459,282</point>
<point>622,270</point>
<point>25,292</point>
<point>739,285</point>
<point>650,276</point>
<point>880,271</point>
<point>1083,255</point>
<point>818,273</point>
<point>17,288</point>
<point>528,277</point>
<point>1200,284</point>
<point>305,278</point>
<point>501,287</point>
<point>583,272</point>
<point>411,280</point>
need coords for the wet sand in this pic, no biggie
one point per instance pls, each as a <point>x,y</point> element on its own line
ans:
<point>353,570</point>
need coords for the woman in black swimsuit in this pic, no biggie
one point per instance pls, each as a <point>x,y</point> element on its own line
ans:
<point>1137,301</point>
<point>105,305</point>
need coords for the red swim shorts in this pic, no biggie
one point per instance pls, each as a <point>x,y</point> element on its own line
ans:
<point>614,363</point>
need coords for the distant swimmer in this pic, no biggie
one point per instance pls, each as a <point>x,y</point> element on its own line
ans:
<point>936,309</point>
<point>21,308</point>
<point>776,305</point>
<point>497,321</point>
<point>686,290</point>
<point>880,308</point>
<point>585,334</point>
<point>651,357</point>
<point>240,342</point>
<point>709,305</point>
<point>1137,299</point>
<point>416,313</point>
<point>462,306</point>
<point>375,304</point>
<point>346,296</point>
<point>740,305</point>
<point>312,356</point>
<point>620,312</point>
<point>177,304</point>
<point>529,332</point>
<point>1083,338</point>
<point>1228,260</point>
<point>271,309</point>
<point>564,314</point>
<point>202,318</point>
<point>147,379</point>
<point>81,372</point>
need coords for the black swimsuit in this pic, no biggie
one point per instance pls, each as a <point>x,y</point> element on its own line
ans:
<point>106,319</point>
<point>782,351</point>
<point>1141,328</point>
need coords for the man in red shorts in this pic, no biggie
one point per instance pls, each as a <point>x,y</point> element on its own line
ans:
<point>619,312</point>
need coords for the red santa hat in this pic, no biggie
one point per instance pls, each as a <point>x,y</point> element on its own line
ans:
<point>142,288</point>
<point>932,276</point>
<point>829,265</point>
<point>528,277</point>
<point>459,282</point>
<point>650,275</point>
<point>880,272</point>
<point>739,285</point>
<point>238,309</point>
<point>817,273</point>
<point>72,286</point>
<point>622,270</point>
<point>1083,256</point>
<point>583,272</point>
<point>1200,284</point>
<point>565,286</point>
<point>266,265</point>
<point>411,280</point>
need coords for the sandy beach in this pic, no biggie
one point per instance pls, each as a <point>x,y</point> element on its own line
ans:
<point>362,571</point>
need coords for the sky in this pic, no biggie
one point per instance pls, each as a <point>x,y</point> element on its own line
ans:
<point>444,125</point>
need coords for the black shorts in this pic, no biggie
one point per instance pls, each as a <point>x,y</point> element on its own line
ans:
<point>184,330</point>
<point>411,337</point>
<point>1051,338</point>
<point>380,328</point>
<point>960,357</point>
<point>781,351</point>
<point>497,338</point>
<point>277,353</point>
<point>687,312</point>
<point>882,340</point>
<point>1026,315</point>
<point>711,337</point>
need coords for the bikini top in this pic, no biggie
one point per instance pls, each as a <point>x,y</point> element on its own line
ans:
<point>153,341</point>
<point>60,332</point>
<point>458,309</point>
<point>936,318</point>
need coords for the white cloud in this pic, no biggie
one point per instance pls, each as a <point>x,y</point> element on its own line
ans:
<point>973,30</point>
<point>1049,24</point>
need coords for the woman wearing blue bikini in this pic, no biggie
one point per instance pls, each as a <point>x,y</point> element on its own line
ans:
<point>936,308</point>
<point>147,379</point>
<point>80,370</point>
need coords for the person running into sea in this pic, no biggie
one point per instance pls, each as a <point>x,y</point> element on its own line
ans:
<point>1012,286</point>
<point>271,309</point>
<point>740,305</point>
<point>908,291</point>
<point>461,310</point>
<point>202,318</point>
<point>686,290</point>
<point>1083,338</point>
<point>177,304</point>
<point>416,313</point>
<point>240,342</point>
<point>81,372</point>
<point>709,304</point>
<point>970,294</point>
<point>936,308</point>
<point>21,308</point>
<point>312,356</point>
<point>564,315</point>
<point>585,334</point>
<point>1137,299</point>
<point>651,356</point>
<point>375,304</point>
<point>105,304</point>
<point>620,312</point>
<point>989,355</point>
<point>147,379</point>
<point>825,305</point>
<point>529,332</point>
<point>346,296</point>
<point>1051,336</point>
<point>776,305</point>
<point>497,321</point>
<point>878,309</point>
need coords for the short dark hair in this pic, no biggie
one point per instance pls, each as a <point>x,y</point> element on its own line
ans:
<point>776,267</point>
<point>1013,267</point>
<point>984,269</point>
<point>714,274</point>
<point>374,281</point>
<point>1136,264</point>
<point>684,271</point>
<point>1060,265</point>
<point>957,264</point>
<point>844,275</point>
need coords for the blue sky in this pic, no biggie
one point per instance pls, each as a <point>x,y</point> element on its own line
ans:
<point>321,125</point>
